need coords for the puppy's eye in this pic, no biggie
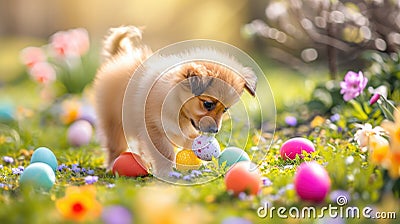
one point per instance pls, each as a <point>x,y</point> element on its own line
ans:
<point>209,105</point>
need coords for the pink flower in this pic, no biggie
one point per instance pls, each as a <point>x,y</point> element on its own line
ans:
<point>70,43</point>
<point>374,98</point>
<point>43,72</point>
<point>32,55</point>
<point>353,85</point>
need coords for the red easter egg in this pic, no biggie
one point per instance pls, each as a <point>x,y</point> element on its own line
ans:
<point>130,165</point>
<point>312,182</point>
<point>296,146</point>
<point>243,177</point>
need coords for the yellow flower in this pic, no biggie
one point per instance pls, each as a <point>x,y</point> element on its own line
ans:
<point>317,121</point>
<point>394,168</point>
<point>71,110</point>
<point>79,204</point>
<point>394,131</point>
<point>379,149</point>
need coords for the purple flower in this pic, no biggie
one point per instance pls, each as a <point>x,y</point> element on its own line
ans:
<point>187,178</point>
<point>62,167</point>
<point>90,171</point>
<point>242,196</point>
<point>374,98</point>
<point>353,85</point>
<point>116,215</point>
<point>291,121</point>
<point>91,179</point>
<point>110,185</point>
<point>75,168</point>
<point>236,220</point>
<point>19,170</point>
<point>266,182</point>
<point>8,159</point>
<point>175,174</point>
<point>335,117</point>
<point>1,166</point>
<point>196,173</point>
<point>339,195</point>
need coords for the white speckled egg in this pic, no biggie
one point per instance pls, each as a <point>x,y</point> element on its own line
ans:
<point>206,147</point>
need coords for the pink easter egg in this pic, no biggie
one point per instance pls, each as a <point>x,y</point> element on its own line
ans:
<point>80,133</point>
<point>296,146</point>
<point>312,182</point>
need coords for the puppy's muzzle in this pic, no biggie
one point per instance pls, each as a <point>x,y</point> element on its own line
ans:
<point>208,124</point>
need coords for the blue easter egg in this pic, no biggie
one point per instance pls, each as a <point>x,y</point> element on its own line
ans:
<point>232,155</point>
<point>39,175</point>
<point>7,110</point>
<point>45,155</point>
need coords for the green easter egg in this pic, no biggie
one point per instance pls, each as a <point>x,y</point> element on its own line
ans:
<point>232,155</point>
<point>39,175</point>
<point>45,155</point>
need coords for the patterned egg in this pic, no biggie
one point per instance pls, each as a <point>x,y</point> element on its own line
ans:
<point>312,182</point>
<point>187,160</point>
<point>39,175</point>
<point>206,147</point>
<point>45,155</point>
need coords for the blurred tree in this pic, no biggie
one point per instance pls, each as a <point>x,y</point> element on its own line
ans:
<point>333,31</point>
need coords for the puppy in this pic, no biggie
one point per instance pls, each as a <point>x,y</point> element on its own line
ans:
<point>162,101</point>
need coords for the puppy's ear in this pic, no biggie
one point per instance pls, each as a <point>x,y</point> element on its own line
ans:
<point>198,78</point>
<point>250,80</point>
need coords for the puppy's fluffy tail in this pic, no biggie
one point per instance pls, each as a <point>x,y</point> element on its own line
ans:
<point>122,40</point>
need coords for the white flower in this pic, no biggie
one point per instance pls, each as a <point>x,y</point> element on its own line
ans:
<point>366,131</point>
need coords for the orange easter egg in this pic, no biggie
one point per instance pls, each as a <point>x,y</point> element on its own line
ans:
<point>130,165</point>
<point>243,177</point>
<point>186,159</point>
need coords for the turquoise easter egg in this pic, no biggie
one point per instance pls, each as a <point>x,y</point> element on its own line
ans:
<point>232,155</point>
<point>45,155</point>
<point>39,175</point>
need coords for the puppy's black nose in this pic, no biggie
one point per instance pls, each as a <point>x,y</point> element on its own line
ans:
<point>212,130</point>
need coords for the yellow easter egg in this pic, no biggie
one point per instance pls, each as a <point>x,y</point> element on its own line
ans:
<point>186,159</point>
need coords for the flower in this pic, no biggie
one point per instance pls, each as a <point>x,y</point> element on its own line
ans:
<point>317,121</point>
<point>8,159</point>
<point>62,167</point>
<point>374,98</point>
<point>71,111</point>
<point>187,178</point>
<point>381,90</point>
<point>196,173</point>
<point>91,179</point>
<point>266,182</point>
<point>43,72</point>
<point>335,117</point>
<point>175,174</point>
<point>116,215</point>
<point>364,133</point>
<point>90,171</point>
<point>32,55</point>
<point>19,170</point>
<point>75,168</point>
<point>70,43</point>
<point>291,121</point>
<point>353,85</point>
<point>79,204</point>
<point>393,128</point>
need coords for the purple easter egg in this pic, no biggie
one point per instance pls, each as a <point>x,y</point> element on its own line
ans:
<point>312,182</point>
<point>296,146</point>
<point>80,133</point>
<point>206,147</point>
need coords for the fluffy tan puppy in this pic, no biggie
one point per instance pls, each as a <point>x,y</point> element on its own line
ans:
<point>141,98</point>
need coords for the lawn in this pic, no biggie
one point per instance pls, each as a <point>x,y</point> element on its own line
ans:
<point>365,176</point>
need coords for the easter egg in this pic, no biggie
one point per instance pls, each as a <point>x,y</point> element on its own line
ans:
<point>88,113</point>
<point>296,146</point>
<point>186,159</point>
<point>232,155</point>
<point>206,147</point>
<point>129,164</point>
<point>7,110</point>
<point>80,133</point>
<point>39,175</point>
<point>312,182</point>
<point>243,177</point>
<point>44,155</point>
